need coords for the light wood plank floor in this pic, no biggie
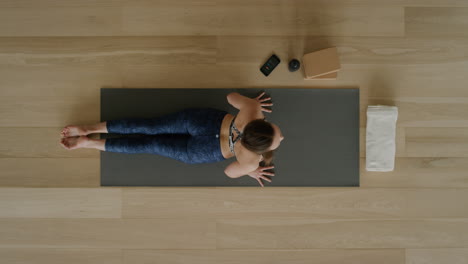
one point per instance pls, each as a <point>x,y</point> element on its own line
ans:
<point>56,55</point>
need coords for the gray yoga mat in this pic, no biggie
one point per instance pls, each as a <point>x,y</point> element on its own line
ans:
<point>320,126</point>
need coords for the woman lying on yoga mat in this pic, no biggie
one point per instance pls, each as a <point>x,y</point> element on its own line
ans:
<point>194,136</point>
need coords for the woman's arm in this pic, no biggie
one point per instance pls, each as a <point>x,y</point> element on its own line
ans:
<point>236,170</point>
<point>239,101</point>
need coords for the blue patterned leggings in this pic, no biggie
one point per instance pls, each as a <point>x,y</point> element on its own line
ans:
<point>190,136</point>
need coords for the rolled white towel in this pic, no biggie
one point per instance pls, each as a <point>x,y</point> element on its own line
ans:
<point>380,137</point>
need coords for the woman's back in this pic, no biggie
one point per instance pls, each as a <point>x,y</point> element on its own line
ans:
<point>247,113</point>
<point>239,151</point>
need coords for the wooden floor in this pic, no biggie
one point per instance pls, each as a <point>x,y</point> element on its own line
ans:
<point>56,55</point>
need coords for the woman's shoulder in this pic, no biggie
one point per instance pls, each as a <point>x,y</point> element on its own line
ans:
<point>247,157</point>
<point>244,117</point>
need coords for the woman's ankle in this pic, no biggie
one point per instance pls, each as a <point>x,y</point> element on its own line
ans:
<point>96,128</point>
<point>96,143</point>
<point>86,130</point>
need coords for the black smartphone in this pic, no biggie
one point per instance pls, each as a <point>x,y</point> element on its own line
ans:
<point>270,65</point>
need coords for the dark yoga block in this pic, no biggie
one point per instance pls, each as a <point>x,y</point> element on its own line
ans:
<point>320,126</point>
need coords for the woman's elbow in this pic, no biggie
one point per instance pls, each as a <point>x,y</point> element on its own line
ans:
<point>230,97</point>
<point>226,171</point>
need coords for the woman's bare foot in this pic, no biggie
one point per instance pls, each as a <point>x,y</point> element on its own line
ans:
<point>73,131</point>
<point>74,142</point>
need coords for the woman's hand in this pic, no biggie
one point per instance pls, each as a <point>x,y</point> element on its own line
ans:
<point>261,101</point>
<point>260,174</point>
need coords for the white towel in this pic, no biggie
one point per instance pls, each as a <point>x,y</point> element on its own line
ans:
<point>380,137</point>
